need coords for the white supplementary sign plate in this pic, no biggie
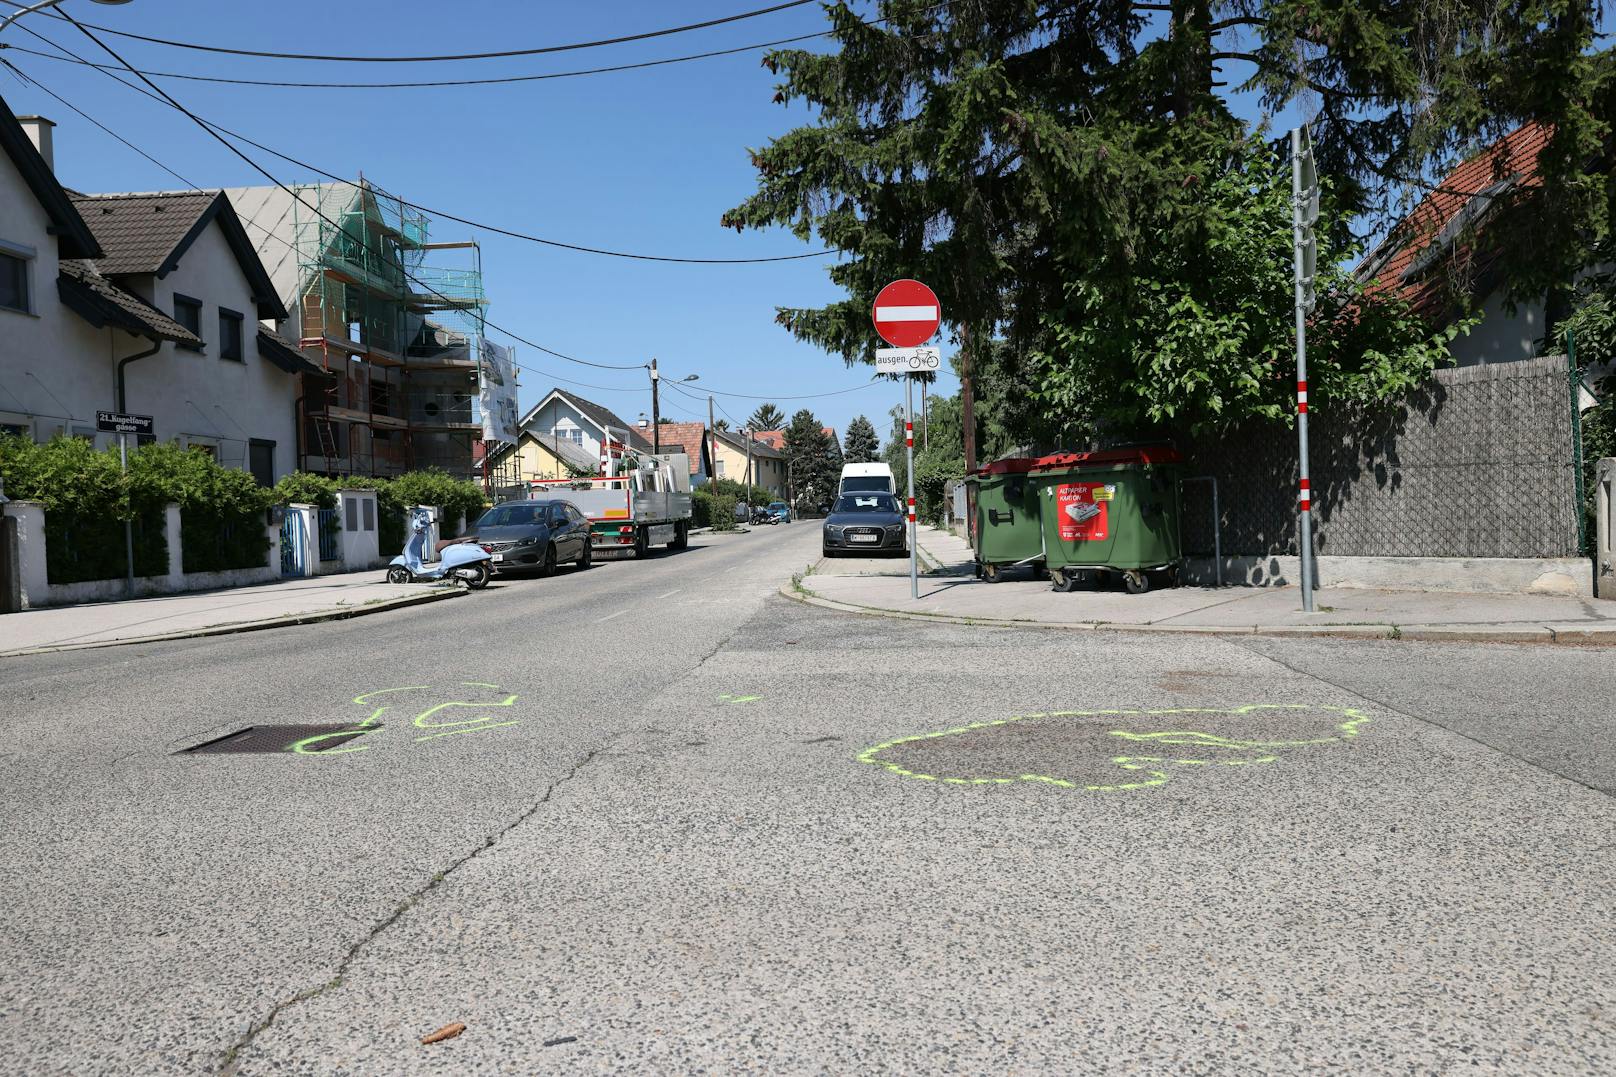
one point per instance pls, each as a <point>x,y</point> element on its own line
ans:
<point>907,360</point>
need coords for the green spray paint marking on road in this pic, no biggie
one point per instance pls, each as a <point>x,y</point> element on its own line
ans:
<point>727,698</point>
<point>372,724</point>
<point>1152,770</point>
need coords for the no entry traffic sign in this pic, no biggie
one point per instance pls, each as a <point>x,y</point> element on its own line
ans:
<point>907,313</point>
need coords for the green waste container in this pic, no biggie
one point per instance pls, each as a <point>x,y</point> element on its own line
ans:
<point>1111,511</point>
<point>1002,514</point>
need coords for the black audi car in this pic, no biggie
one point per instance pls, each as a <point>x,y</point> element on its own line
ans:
<point>865,523</point>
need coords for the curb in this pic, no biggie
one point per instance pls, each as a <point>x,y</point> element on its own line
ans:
<point>1564,635</point>
<point>252,626</point>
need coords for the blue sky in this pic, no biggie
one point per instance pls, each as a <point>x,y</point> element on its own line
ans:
<point>644,161</point>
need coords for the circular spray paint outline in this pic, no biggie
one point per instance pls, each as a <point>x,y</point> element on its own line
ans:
<point>1347,730</point>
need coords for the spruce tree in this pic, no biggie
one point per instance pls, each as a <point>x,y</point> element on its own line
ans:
<point>861,445</point>
<point>766,417</point>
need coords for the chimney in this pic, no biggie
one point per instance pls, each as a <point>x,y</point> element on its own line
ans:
<point>39,133</point>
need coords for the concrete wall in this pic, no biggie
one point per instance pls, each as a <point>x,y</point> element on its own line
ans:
<point>1605,528</point>
<point>36,590</point>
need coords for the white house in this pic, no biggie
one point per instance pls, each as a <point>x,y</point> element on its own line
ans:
<point>566,417</point>
<point>145,303</point>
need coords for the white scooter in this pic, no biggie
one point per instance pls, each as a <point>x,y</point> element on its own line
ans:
<point>464,562</point>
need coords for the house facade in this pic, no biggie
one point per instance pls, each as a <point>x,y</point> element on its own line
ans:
<point>145,303</point>
<point>563,418</point>
<point>768,463</point>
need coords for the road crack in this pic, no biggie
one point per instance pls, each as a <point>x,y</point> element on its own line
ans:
<point>232,1059</point>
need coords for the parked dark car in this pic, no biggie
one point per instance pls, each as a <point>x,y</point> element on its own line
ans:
<point>534,535</point>
<point>864,523</point>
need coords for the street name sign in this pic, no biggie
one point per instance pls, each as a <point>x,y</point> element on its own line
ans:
<point>113,422</point>
<point>906,313</point>
<point>907,360</point>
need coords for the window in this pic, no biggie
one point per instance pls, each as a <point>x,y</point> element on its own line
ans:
<point>720,463</point>
<point>230,335</point>
<point>261,461</point>
<point>188,312</point>
<point>14,282</point>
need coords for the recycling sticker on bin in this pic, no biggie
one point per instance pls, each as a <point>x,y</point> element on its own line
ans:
<point>1083,508</point>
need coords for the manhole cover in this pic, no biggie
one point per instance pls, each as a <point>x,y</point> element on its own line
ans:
<point>279,738</point>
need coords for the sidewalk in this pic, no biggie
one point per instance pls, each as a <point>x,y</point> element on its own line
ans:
<point>950,592</point>
<point>207,613</point>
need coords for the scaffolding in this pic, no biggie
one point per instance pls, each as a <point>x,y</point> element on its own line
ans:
<point>398,329</point>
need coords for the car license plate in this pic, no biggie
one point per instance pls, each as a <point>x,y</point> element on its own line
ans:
<point>863,538</point>
<point>499,557</point>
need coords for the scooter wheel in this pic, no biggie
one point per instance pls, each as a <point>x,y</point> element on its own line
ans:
<point>477,576</point>
<point>398,574</point>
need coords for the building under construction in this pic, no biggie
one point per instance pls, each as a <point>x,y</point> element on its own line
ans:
<point>395,320</point>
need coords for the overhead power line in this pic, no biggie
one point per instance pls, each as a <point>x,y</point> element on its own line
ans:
<point>191,185</point>
<point>255,166</point>
<point>442,82</point>
<point>505,53</point>
<point>218,129</point>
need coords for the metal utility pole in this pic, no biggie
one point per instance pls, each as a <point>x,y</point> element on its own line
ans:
<point>712,436</point>
<point>909,452</point>
<point>128,524</point>
<point>925,418</point>
<point>747,433</point>
<point>656,414</point>
<point>1305,211</point>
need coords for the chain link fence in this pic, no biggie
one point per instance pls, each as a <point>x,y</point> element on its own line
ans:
<point>1479,463</point>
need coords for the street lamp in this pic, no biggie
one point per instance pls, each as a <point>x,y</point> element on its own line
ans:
<point>9,19</point>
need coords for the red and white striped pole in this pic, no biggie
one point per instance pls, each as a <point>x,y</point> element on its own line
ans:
<point>909,452</point>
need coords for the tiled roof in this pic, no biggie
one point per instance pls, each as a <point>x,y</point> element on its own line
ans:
<point>738,443</point>
<point>1409,262</point>
<point>150,233</point>
<point>139,232</point>
<point>688,438</point>
<point>286,355</point>
<point>598,414</point>
<point>101,302</point>
<point>775,439</point>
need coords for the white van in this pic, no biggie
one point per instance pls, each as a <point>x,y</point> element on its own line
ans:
<point>867,478</point>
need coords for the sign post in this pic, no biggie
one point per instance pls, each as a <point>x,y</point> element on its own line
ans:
<point>906,316</point>
<point>113,422</point>
<point>1305,203</point>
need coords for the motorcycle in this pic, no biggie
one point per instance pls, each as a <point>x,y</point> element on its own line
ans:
<point>464,562</point>
<point>763,516</point>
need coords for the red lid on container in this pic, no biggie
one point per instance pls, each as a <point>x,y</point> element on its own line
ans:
<point>1010,465</point>
<point>1136,454</point>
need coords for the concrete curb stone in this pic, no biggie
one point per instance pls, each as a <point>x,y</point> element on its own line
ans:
<point>285,621</point>
<point>1570,634</point>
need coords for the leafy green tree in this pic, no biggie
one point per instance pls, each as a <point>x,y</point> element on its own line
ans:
<point>766,417</point>
<point>860,445</point>
<point>1042,163</point>
<point>813,460</point>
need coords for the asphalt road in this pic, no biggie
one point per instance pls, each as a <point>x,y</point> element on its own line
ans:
<point>680,823</point>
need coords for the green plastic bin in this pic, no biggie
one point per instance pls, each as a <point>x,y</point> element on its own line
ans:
<point>1002,514</point>
<point>1115,511</point>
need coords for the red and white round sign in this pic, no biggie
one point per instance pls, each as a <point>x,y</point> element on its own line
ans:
<point>907,313</point>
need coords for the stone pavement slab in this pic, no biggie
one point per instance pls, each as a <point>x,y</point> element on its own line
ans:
<point>101,624</point>
<point>952,592</point>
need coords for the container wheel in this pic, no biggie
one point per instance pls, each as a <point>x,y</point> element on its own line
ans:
<point>398,574</point>
<point>991,573</point>
<point>1136,582</point>
<point>1063,580</point>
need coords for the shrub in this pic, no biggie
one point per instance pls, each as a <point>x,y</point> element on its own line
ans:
<point>301,488</point>
<point>461,501</point>
<point>221,509</point>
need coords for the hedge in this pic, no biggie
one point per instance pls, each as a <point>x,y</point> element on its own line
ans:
<point>87,497</point>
